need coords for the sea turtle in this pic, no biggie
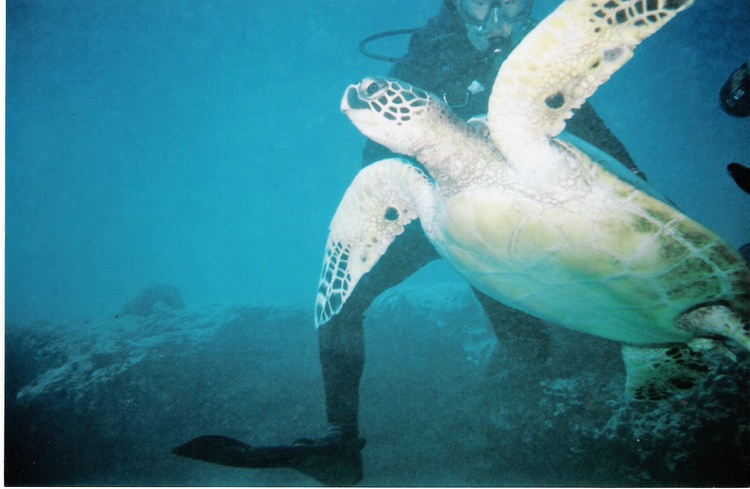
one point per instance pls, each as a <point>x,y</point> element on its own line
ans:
<point>538,219</point>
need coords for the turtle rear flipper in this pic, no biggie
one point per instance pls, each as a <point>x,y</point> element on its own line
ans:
<point>655,373</point>
<point>658,372</point>
<point>720,320</point>
<point>383,198</point>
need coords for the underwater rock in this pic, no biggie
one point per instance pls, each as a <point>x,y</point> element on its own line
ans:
<point>103,402</point>
<point>152,299</point>
<point>81,354</point>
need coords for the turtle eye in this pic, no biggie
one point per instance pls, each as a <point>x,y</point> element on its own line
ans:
<point>372,88</point>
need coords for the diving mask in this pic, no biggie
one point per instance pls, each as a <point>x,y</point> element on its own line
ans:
<point>479,12</point>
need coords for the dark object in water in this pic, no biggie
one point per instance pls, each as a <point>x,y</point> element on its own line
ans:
<point>745,252</point>
<point>331,463</point>
<point>734,95</point>
<point>741,175</point>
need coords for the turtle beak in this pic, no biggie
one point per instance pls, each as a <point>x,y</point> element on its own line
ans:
<point>351,100</point>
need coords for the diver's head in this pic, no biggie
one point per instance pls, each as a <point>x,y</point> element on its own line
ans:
<point>491,22</point>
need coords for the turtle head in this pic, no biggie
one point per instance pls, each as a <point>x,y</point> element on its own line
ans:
<point>390,112</point>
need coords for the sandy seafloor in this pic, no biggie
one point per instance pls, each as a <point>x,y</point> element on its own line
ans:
<point>199,144</point>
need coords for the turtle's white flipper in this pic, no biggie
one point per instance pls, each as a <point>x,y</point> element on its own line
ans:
<point>562,62</point>
<point>383,198</point>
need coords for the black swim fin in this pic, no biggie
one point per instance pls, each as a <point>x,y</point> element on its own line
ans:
<point>331,462</point>
<point>741,175</point>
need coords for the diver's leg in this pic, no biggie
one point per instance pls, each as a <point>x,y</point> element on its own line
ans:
<point>341,340</point>
<point>335,459</point>
<point>526,334</point>
<point>342,358</point>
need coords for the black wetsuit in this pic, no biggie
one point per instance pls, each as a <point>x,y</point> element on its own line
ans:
<point>442,60</point>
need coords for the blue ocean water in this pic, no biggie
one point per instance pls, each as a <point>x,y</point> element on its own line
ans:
<point>200,143</point>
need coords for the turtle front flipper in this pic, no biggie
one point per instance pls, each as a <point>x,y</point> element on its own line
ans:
<point>562,62</point>
<point>383,198</point>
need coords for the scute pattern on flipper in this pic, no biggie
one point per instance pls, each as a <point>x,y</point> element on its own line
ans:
<point>562,62</point>
<point>655,373</point>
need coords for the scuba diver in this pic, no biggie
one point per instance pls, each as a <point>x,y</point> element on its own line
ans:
<point>734,98</point>
<point>456,55</point>
<point>741,175</point>
<point>734,95</point>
